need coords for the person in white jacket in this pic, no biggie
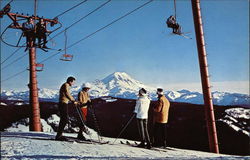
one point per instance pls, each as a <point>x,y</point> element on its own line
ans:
<point>141,111</point>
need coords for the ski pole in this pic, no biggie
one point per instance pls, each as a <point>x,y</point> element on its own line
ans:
<point>125,127</point>
<point>96,124</point>
<point>80,115</point>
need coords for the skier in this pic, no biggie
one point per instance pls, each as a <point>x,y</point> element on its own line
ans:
<point>171,23</point>
<point>28,30</point>
<point>84,102</point>
<point>141,111</point>
<point>160,119</point>
<point>41,27</point>
<point>64,98</point>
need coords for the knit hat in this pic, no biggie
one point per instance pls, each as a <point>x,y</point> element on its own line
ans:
<point>86,85</point>
<point>142,91</point>
<point>159,91</point>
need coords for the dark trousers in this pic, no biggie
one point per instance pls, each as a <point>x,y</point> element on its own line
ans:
<point>29,37</point>
<point>143,130</point>
<point>63,109</point>
<point>160,134</point>
<point>42,36</point>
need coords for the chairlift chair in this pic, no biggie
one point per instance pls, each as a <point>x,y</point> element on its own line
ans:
<point>66,57</point>
<point>39,67</point>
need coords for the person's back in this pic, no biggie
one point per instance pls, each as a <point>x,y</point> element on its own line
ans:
<point>161,111</point>
<point>64,94</point>
<point>142,105</point>
<point>141,111</point>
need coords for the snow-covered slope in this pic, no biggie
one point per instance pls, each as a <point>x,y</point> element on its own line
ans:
<point>122,85</point>
<point>35,145</point>
<point>238,119</point>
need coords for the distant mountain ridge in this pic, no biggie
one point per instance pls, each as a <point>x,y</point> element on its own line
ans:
<point>122,85</point>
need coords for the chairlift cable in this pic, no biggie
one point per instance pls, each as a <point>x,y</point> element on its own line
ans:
<point>10,1</point>
<point>35,10</point>
<point>66,38</point>
<point>91,34</point>
<point>71,8</point>
<point>19,58</point>
<point>99,7</point>
<point>14,75</point>
<point>175,9</point>
<point>85,16</point>
<point>87,36</point>
<point>11,55</point>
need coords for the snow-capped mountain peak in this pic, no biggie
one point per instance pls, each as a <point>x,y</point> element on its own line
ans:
<point>118,84</point>
<point>122,85</point>
<point>121,80</point>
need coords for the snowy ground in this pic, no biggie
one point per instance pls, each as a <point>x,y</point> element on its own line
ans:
<point>35,145</point>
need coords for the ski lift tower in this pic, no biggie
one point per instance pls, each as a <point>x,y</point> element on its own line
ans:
<point>35,123</point>
<point>209,111</point>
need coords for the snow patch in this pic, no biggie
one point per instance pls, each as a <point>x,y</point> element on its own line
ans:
<point>237,119</point>
<point>3,104</point>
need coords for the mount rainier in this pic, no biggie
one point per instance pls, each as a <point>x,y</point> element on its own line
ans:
<point>122,85</point>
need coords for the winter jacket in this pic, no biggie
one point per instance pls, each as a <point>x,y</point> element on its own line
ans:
<point>83,98</point>
<point>28,26</point>
<point>161,110</point>
<point>141,107</point>
<point>65,95</point>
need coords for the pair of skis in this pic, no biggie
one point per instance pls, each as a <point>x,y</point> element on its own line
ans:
<point>153,148</point>
<point>185,35</point>
<point>87,141</point>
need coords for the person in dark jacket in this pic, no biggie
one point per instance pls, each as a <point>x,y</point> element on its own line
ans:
<point>64,98</point>
<point>171,23</point>
<point>28,31</point>
<point>160,119</point>
<point>41,31</point>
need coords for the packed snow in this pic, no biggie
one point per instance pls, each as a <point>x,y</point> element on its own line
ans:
<point>122,85</point>
<point>18,143</point>
<point>38,145</point>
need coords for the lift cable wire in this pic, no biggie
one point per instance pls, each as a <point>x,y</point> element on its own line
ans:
<point>85,37</point>
<point>10,1</point>
<point>99,29</point>
<point>35,14</point>
<point>17,59</point>
<point>99,7</point>
<point>85,16</point>
<point>175,9</point>
<point>71,8</point>
<point>14,75</point>
<point>11,55</point>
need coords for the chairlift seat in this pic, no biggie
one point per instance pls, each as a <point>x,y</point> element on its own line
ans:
<point>39,67</point>
<point>66,57</point>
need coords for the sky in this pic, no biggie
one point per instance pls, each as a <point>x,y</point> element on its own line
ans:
<point>139,44</point>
